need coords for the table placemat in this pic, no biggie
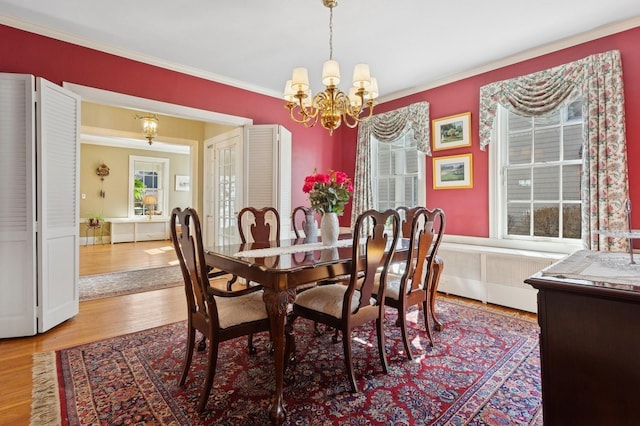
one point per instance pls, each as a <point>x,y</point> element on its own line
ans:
<point>297,248</point>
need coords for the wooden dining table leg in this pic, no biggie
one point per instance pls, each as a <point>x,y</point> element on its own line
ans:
<point>438,266</point>
<point>276,303</point>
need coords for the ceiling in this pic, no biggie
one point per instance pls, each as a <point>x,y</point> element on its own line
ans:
<point>410,44</point>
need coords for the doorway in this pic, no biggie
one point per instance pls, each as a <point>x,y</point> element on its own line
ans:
<point>213,123</point>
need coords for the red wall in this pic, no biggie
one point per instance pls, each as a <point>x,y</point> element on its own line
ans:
<point>57,61</point>
<point>467,209</point>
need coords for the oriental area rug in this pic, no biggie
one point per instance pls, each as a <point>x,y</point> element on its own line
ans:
<point>120,283</point>
<point>484,369</point>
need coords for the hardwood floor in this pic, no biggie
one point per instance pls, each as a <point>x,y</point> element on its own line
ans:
<point>97,319</point>
<point>105,258</point>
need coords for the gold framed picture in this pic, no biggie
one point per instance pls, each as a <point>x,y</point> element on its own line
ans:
<point>453,172</point>
<point>451,132</point>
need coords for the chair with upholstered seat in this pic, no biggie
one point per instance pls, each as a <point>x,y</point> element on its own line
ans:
<point>412,286</point>
<point>219,315</point>
<point>259,225</point>
<point>346,307</point>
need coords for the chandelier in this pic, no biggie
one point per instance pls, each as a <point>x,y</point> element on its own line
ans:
<point>331,106</point>
<point>149,126</point>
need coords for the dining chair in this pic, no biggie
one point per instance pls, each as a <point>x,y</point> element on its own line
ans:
<point>219,315</point>
<point>346,307</point>
<point>259,225</point>
<point>413,285</point>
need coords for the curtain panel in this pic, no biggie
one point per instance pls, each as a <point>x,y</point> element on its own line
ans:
<point>598,78</point>
<point>386,127</point>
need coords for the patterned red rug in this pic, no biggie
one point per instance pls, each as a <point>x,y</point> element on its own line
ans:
<point>483,370</point>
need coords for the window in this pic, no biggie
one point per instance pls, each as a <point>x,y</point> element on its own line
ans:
<point>148,176</point>
<point>539,161</point>
<point>398,175</point>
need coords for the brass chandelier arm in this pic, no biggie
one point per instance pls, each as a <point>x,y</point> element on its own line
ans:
<point>356,117</point>
<point>306,117</point>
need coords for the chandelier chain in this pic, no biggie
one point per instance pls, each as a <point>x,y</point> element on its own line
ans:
<point>331,32</point>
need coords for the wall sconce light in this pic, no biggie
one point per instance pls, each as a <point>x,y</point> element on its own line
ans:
<point>149,126</point>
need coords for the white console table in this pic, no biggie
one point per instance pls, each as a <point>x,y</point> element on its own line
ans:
<point>133,230</point>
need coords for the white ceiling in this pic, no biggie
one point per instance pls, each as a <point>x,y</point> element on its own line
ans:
<point>410,44</point>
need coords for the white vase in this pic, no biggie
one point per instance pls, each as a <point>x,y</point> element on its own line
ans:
<point>329,229</point>
<point>329,254</point>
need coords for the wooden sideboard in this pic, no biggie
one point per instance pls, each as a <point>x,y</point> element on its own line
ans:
<point>133,230</point>
<point>589,349</point>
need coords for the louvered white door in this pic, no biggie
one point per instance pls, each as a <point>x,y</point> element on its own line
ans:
<point>267,163</point>
<point>17,206</point>
<point>58,151</point>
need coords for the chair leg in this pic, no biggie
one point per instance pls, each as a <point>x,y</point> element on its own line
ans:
<point>212,359</point>
<point>425,307</point>
<point>191,337</point>
<point>438,266</point>
<point>402,323</point>
<point>252,349</point>
<point>346,344</point>
<point>317,331</point>
<point>381,345</point>
<point>336,332</point>
<point>231,281</point>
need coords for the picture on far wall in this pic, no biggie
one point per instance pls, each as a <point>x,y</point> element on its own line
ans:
<point>182,183</point>
<point>451,132</point>
<point>453,171</point>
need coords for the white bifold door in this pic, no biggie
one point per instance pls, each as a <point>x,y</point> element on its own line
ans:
<point>39,171</point>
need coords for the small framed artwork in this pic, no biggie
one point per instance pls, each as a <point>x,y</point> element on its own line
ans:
<point>451,132</point>
<point>453,171</point>
<point>182,183</point>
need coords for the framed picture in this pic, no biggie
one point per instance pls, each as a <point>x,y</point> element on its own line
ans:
<point>182,183</point>
<point>453,171</point>
<point>451,132</point>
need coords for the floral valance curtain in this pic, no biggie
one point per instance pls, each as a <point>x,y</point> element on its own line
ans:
<point>386,127</point>
<point>598,78</point>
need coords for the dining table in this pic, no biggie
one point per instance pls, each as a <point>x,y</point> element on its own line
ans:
<point>281,267</point>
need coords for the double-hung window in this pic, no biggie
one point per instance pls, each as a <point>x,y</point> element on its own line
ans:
<point>148,176</point>
<point>397,173</point>
<point>538,166</point>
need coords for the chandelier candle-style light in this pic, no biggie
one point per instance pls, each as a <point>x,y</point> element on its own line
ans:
<point>149,126</point>
<point>331,106</point>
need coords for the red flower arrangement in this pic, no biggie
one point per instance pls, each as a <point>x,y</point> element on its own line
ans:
<point>328,192</point>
